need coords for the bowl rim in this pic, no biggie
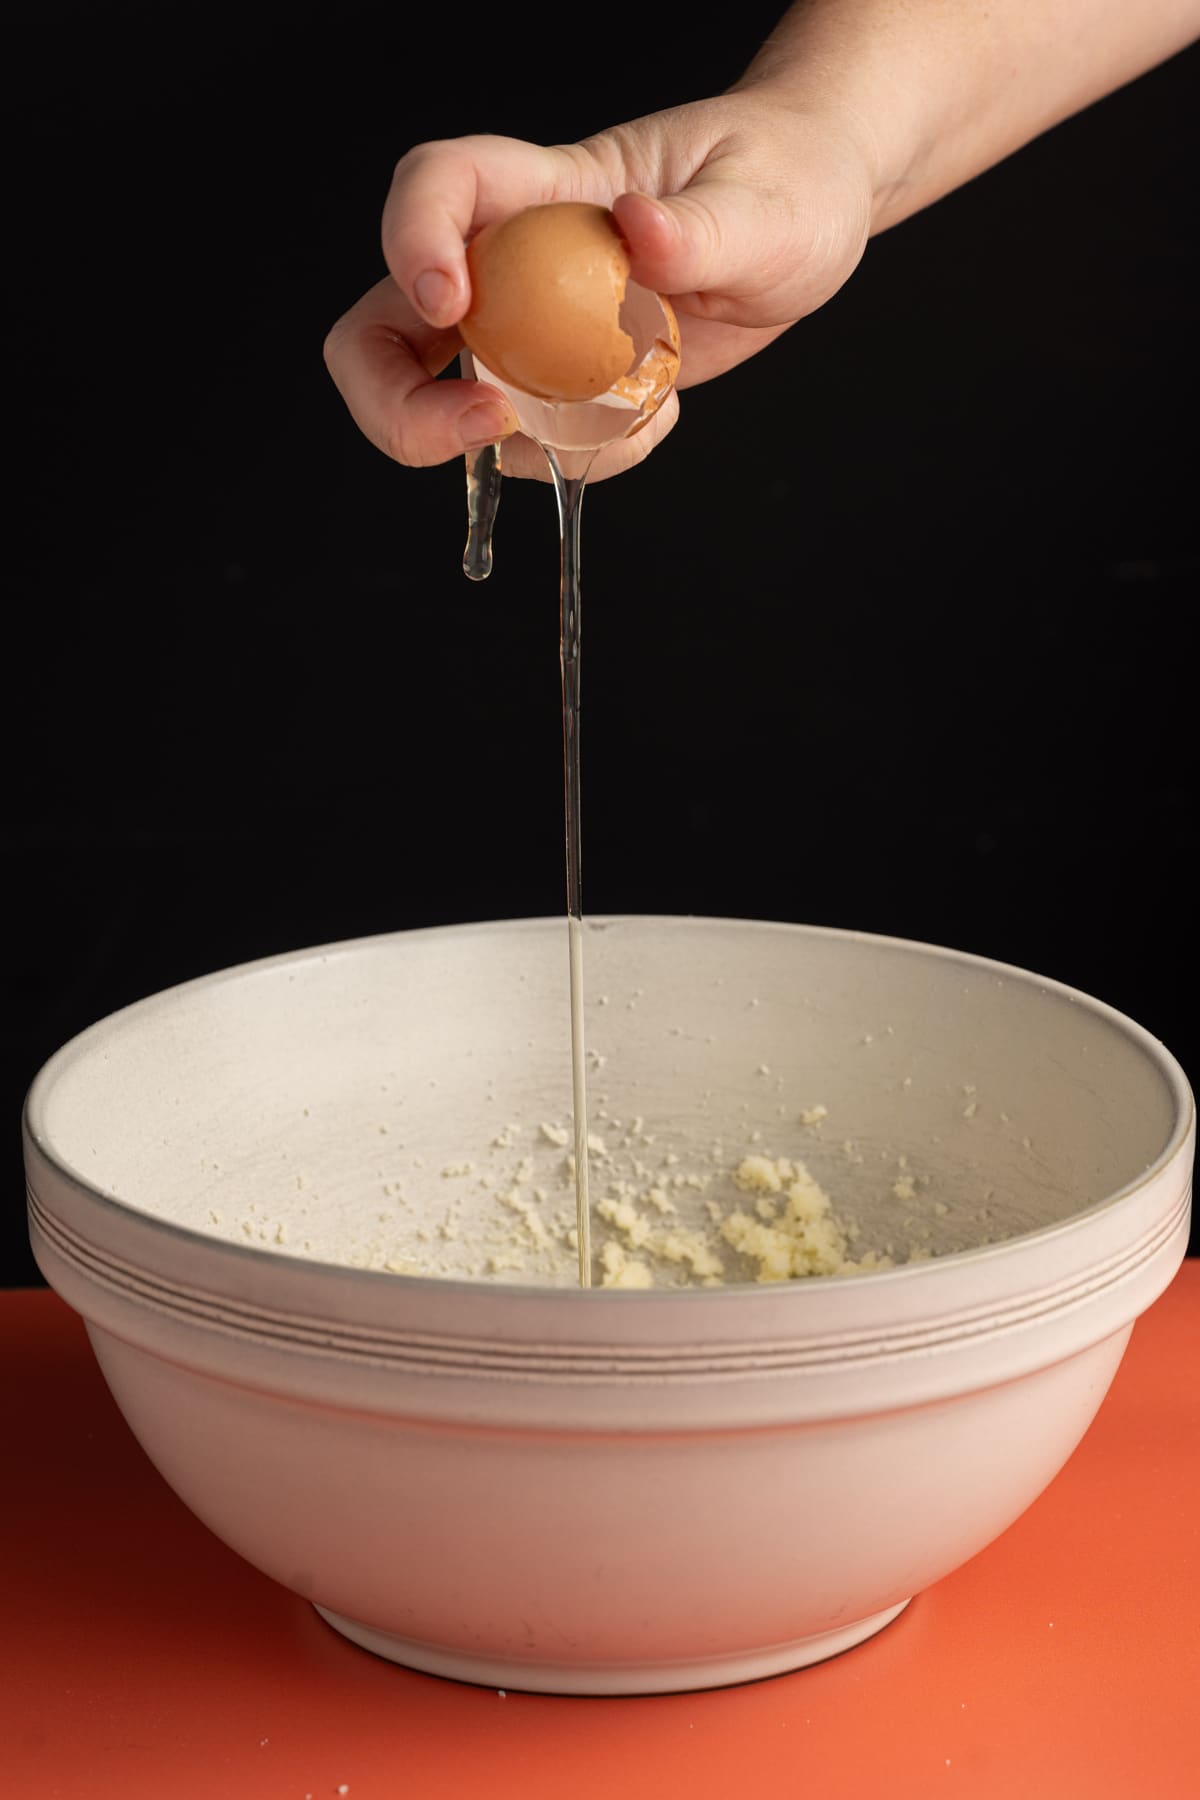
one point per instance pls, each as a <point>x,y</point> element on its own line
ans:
<point>36,1137</point>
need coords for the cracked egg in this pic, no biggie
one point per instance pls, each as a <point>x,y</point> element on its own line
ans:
<point>585,355</point>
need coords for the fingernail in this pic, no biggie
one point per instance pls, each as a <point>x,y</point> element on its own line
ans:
<point>484,423</point>
<point>433,292</point>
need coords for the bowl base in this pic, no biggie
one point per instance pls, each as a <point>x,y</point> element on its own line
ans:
<point>610,1678</point>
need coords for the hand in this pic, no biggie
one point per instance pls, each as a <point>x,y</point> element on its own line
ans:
<point>747,212</point>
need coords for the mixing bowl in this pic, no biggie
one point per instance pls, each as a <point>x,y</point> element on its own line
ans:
<point>480,1471</point>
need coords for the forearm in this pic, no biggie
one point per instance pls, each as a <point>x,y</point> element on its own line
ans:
<point>939,90</point>
<point>750,208</point>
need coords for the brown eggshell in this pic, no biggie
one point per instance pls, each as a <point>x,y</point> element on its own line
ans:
<point>546,292</point>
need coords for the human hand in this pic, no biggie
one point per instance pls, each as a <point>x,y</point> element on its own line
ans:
<point>747,212</point>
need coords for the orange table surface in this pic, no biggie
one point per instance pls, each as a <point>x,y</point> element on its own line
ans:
<point>140,1657</point>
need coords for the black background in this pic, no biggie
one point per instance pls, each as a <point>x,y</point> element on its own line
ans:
<point>895,632</point>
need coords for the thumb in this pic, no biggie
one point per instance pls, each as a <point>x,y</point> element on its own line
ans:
<point>719,248</point>
<point>773,220</point>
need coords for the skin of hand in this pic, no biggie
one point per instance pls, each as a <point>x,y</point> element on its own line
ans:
<point>748,213</point>
<point>748,210</point>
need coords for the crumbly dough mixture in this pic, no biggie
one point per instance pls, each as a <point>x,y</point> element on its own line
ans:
<point>785,1228</point>
<point>685,1217</point>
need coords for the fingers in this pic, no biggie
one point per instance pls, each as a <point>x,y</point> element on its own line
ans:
<point>709,218</point>
<point>760,222</point>
<point>442,193</point>
<point>384,354</point>
<point>384,360</point>
<point>710,240</point>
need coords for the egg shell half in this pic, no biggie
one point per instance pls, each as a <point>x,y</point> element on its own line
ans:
<point>546,292</point>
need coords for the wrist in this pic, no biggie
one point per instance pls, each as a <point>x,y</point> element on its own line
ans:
<point>935,93</point>
<point>884,142</point>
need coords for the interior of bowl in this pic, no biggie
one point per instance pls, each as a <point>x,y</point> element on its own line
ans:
<point>404,1103</point>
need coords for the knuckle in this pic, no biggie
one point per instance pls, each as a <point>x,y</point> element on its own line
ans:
<point>393,439</point>
<point>585,171</point>
<point>435,153</point>
<point>399,440</point>
<point>417,157</point>
<point>333,348</point>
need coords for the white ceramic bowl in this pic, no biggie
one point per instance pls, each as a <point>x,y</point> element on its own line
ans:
<point>607,1492</point>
